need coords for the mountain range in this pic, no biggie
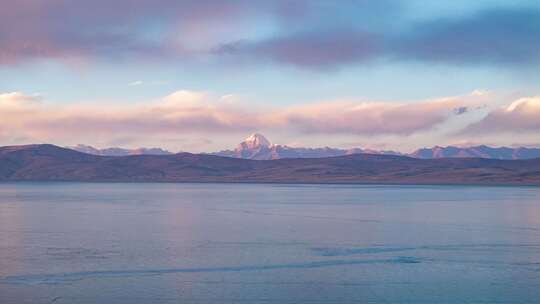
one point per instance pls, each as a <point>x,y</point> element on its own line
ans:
<point>477,151</point>
<point>119,151</point>
<point>258,147</point>
<point>53,163</point>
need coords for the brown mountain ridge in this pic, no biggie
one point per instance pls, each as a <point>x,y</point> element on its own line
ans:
<point>52,163</point>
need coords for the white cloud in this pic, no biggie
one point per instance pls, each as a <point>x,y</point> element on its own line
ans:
<point>18,99</point>
<point>136,83</point>
<point>522,115</point>
<point>195,112</point>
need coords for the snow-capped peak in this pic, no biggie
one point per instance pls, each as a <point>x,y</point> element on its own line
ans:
<point>256,140</point>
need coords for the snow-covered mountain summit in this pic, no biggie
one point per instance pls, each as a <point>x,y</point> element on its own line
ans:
<point>255,141</point>
<point>256,146</point>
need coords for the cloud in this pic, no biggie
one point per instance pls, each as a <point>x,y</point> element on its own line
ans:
<point>479,92</point>
<point>18,100</point>
<point>374,118</point>
<point>204,113</point>
<point>461,110</point>
<point>503,36</point>
<point>136,83</point>
<point>522,115</point>
<point>181,112</point>
<point>185,98</point>
<point>320,50</point>
<point>307,34</point>
<point>120,30</point>
<point>508,36</point>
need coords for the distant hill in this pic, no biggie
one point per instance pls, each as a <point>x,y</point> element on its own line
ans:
<point>119,151</point>
<point>258,147</point>
<point>52,163</point>
<point>477,151</point>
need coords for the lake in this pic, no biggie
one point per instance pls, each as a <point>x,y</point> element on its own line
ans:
<point>255,243</point>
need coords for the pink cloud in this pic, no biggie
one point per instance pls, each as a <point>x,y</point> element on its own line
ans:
<point>75,31</point>
<point>189,112</point>
<point>17,99</point>
<point>306,34</point>
<point>375,118</point>
<point>181,112</point>
<point>522,115</point>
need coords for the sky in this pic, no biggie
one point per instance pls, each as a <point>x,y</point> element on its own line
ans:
<point>201,75</point>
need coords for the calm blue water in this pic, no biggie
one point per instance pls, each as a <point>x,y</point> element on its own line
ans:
<point>217,243</point>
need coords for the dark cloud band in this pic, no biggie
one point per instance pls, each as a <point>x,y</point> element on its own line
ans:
<point>309,34</point>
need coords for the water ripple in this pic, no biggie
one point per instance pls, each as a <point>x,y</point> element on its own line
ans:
<point>59,278</point>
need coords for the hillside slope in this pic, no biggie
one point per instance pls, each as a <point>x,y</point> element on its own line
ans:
<point>52,163</point>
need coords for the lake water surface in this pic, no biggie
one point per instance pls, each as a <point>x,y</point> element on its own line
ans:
<point>249,243</point>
